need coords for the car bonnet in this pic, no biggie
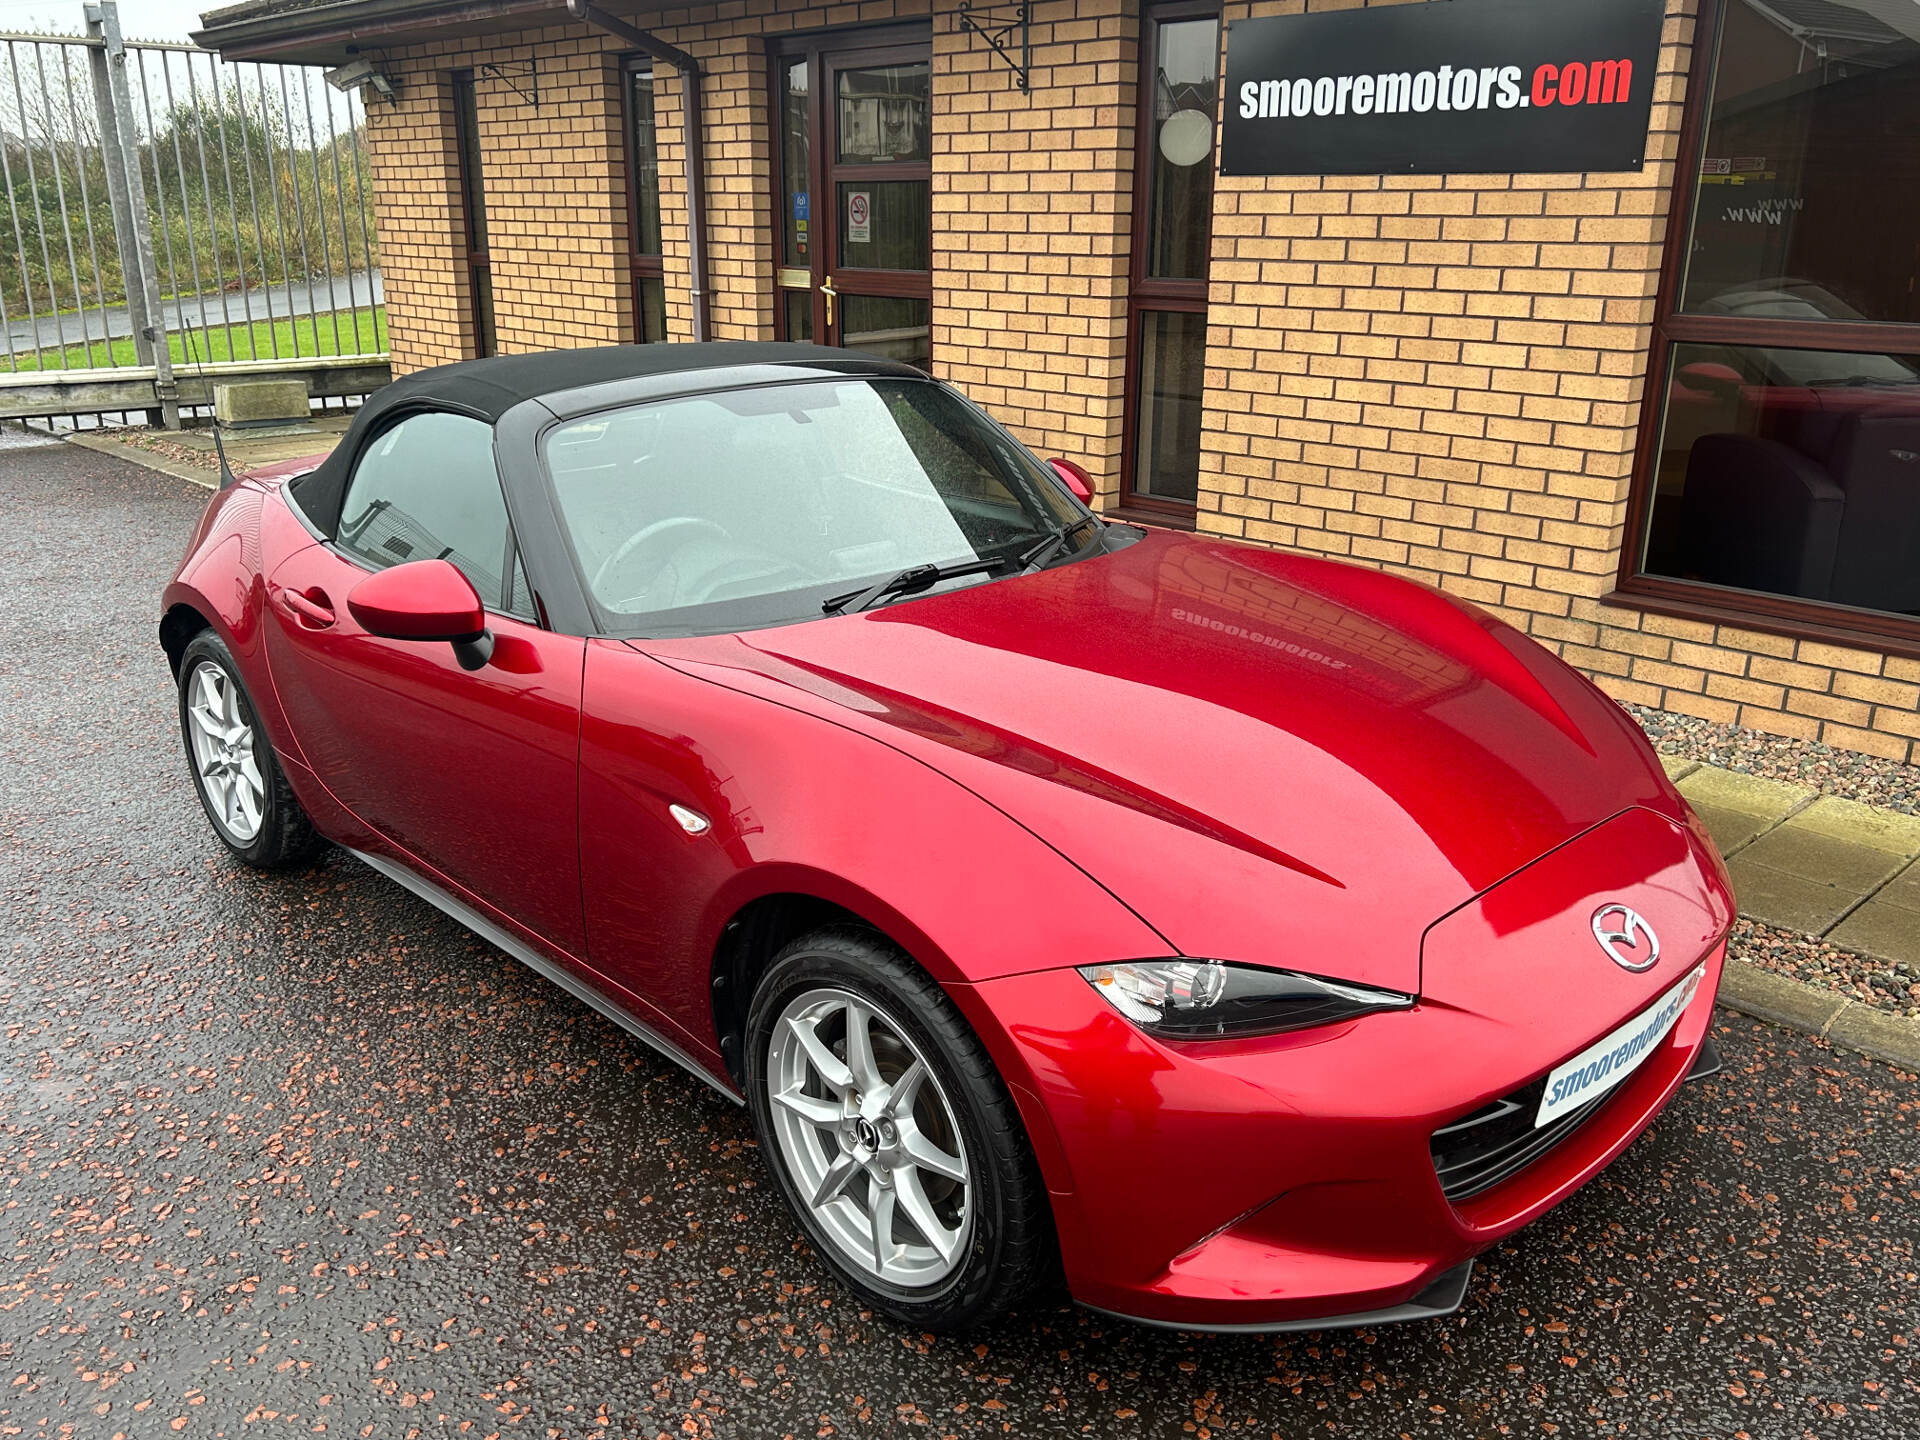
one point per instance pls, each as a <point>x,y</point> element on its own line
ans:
<point>1269,758</point>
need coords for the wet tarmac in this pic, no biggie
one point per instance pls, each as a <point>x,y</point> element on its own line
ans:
<point>293,1154</point>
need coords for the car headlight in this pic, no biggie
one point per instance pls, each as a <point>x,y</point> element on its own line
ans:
<point>1199,999</point>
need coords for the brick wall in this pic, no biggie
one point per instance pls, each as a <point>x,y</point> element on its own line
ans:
<point>415,190</point>
<point>1030,200</point>
<point>1032,227</point>
<point>1437,375</point>
<point>555,197</point>
<point>1442,376</point>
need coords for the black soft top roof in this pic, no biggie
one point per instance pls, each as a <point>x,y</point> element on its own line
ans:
<point>487,389</point>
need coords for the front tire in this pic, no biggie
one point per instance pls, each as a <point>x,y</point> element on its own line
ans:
<point>891,1135</point>
<point>235,772</point>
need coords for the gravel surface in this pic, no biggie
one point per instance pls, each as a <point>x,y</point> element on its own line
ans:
<point>294,1154</point>
<point>1865,778</point>
<point>1891,985</point>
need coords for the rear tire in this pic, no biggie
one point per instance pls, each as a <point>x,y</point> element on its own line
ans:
<point>235,772</point>
<point>903,1158</point>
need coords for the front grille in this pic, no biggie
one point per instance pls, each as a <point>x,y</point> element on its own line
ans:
<point>1478,1151</point>
<point>1498,1140</point>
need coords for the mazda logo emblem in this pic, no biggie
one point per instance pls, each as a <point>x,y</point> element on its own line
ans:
<point>1628,939</point>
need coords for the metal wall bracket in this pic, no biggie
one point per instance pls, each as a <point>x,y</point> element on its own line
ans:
<point>519,76</point>
<point>998,34</point>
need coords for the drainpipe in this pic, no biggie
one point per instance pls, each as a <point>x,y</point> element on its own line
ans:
<point>691,77</point>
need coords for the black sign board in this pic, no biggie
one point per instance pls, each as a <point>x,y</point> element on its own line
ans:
<point>1461,86</point>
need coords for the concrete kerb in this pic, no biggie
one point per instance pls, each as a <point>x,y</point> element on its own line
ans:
<point>1759,992</point>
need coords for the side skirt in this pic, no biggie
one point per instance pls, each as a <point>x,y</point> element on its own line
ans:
<point>579,989</point>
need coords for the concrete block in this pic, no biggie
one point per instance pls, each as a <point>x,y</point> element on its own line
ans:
<point>1903,890</point>
<point>1881,929</point>
<point>1863,825</point>
<point>1821,858</point>
<point>1748,794</point>
<point>1792,902</point>
<point>261,402</point>
<point>1730,829</point>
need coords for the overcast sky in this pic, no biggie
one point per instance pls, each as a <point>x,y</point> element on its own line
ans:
<point>139,19</point>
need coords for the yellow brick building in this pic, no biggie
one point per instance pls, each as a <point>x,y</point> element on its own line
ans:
<point>1656,417</point>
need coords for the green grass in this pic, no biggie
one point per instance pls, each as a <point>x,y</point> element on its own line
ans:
<point>304,335</point>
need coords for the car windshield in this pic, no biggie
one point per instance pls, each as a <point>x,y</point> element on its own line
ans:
<point>744,508</point>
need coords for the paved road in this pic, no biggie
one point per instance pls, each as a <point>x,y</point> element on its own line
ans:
<point>297,1150</point>
<point>322,297</point>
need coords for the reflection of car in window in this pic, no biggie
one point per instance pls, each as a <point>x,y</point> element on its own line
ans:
<point>1791,471</point>
<point>1788,299</point>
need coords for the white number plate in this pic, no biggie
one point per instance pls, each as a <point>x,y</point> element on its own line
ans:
<point>1605,1063</point>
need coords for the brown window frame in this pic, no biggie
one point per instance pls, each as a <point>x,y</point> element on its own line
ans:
<point>641,265</point>
<point>1147,295</point>
<point>466,143</point>
<point>1696,600</point>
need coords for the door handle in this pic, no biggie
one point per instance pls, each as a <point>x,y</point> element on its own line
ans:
<point>312,609</point>
<point>826,289</point>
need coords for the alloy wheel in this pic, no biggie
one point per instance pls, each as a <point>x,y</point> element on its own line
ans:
<point>869,1139</point>
<point>222,740</point>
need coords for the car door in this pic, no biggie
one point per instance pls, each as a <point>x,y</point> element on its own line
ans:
<point>475,773</point>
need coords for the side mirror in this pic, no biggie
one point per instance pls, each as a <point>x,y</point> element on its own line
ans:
<point>1709,377</point>
<point>425,600</point>
<point>1077,479</point>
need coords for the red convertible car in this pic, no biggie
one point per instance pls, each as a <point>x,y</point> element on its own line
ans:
<point>1250,938</point>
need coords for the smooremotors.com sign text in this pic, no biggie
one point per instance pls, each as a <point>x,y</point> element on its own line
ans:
<point>1459,86</point>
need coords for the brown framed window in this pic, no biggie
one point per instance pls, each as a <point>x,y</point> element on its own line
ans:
<point>473,211</point>
<point>1777,481</point>
<point>1172,238</point>
<point>643,205</point>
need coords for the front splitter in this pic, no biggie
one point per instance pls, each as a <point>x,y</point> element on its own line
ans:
<point>1443,1296</point>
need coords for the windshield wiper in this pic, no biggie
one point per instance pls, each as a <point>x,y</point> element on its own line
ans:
<point>1036,556</point>
<point>905,582</point>
<point>920,577</point>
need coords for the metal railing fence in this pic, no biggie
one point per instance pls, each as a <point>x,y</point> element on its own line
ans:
<point>166,207</point>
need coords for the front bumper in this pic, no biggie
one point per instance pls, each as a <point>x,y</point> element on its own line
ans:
<point>1288,1182</point>
<point>1442,1296</point>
